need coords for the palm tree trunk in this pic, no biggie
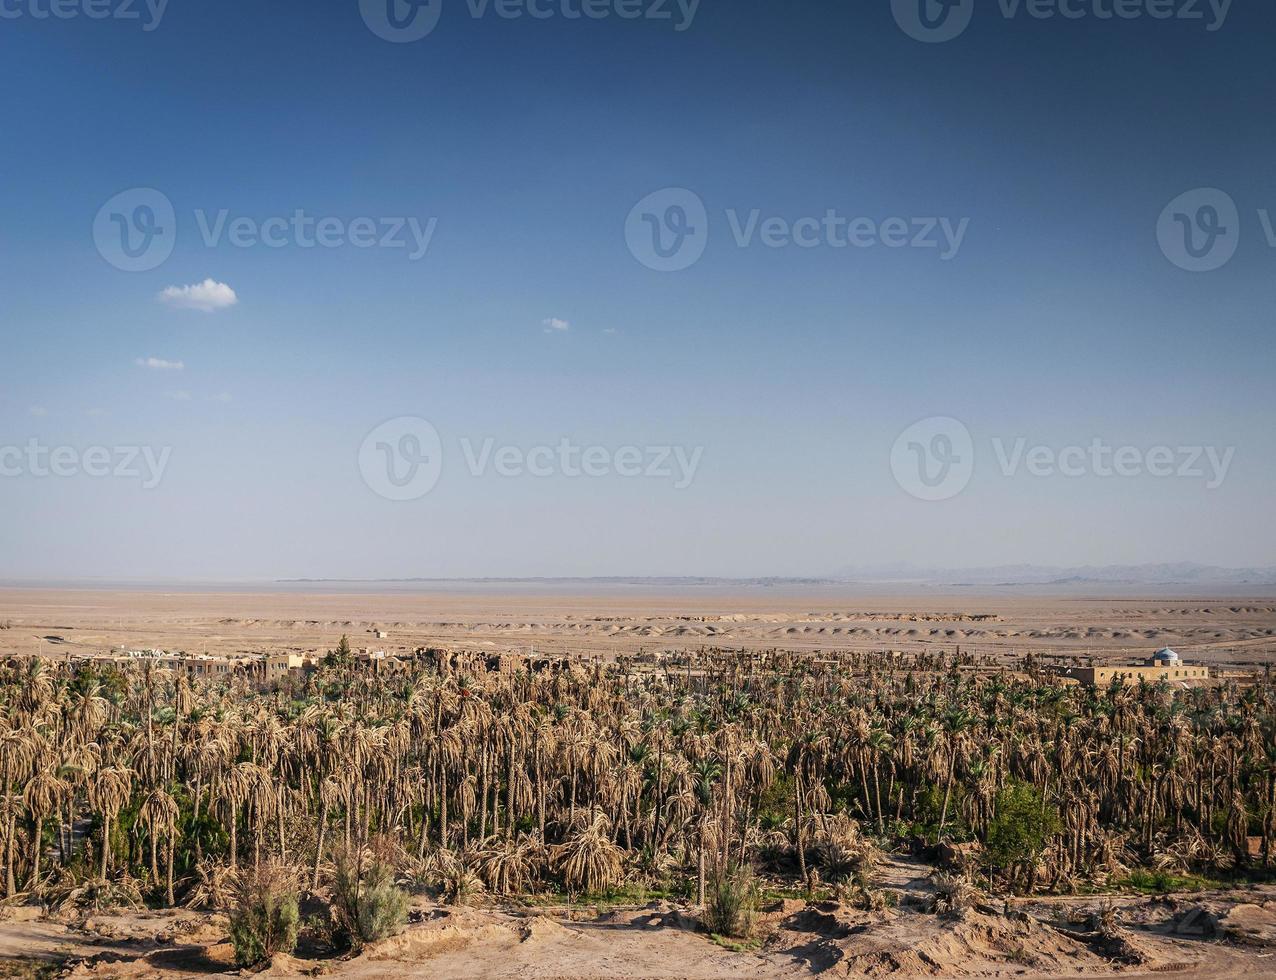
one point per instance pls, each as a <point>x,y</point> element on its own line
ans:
<point>948,792</point>
<point>323,827</point>
<point>37,844</point>
<point>106,842</point>
<point>168,890</point>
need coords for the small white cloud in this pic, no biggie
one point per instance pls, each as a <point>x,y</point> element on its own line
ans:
<point>95,413</point>
<point>39,411</point>
<point>206,296</point>
<point>159,364</point>
<point>555,325</point>
<point>178,396</point>
<point>610,330</point>
<point>221,396</point>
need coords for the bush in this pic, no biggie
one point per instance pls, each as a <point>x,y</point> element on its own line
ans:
<point>366,902</point>
<point>953,893</point>
<point>733,903</point>
<point>1023,824</point>
<point>265,918</point>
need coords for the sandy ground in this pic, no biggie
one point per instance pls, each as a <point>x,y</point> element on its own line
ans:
<point>1201,937</point>
<point>1229,630</point>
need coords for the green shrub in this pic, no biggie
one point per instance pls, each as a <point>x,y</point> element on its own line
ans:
<point>1021,828</point>
<point>732,904</point>
<point>366,902</point>
<point>265,918</point>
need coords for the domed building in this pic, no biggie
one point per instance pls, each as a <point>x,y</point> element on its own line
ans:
<point>1164,665</point>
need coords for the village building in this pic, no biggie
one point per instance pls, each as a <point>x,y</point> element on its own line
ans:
<point>1164,665</point>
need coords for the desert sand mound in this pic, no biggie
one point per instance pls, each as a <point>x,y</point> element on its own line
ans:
<point>1251,924</point>
<point>972,943</point>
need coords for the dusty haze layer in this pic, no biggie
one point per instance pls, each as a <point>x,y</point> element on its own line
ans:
<point>625,619</point>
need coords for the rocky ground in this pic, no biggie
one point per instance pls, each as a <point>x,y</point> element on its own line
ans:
<point>1199,936</point>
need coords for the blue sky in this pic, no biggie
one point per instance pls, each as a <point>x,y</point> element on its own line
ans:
<point>527,142</point>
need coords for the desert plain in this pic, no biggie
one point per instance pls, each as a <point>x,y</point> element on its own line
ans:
<point>590,619</point>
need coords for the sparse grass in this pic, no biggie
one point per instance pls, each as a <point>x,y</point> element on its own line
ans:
<point>31,969</point>
<point>732,903</point>
<point>1161,883</point>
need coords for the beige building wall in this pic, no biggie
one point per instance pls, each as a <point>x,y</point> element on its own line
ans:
<point>1103,676</point>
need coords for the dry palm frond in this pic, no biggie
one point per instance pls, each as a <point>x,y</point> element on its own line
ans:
<point>453,875</point>
<point>589,861</point>
<point>953,893</point>
<point>841,853</point>
<point>72,890</point>
<point>509,866</point>
<point>214,887</point>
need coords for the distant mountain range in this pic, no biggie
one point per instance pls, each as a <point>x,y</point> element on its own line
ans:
<point>1174,573</point>
<point>1003,576</point>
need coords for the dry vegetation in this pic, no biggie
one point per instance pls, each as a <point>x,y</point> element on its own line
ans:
<point>716,782</point>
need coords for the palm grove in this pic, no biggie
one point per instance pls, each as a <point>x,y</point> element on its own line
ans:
<point>591,777</point>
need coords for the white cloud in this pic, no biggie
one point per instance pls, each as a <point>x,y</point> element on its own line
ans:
<point>610,330</point>
<point>178,396</point>
<point>159,364</point>
<point>555,325</point>
<point>39,411</point>
<point>221,396</point>
<point>95,413</point>
<point>206,296</point>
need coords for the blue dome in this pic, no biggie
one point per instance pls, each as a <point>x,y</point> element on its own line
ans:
<point>1165,654</point>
